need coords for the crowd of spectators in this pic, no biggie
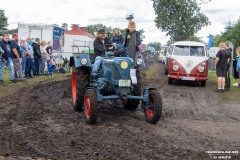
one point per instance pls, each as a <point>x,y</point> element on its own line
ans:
<point>26,59</point>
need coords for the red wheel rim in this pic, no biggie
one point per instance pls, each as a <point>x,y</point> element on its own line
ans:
<point>87,107</point>
<point>149,111</point>
<point>151,100</point>
<point>74,88</point>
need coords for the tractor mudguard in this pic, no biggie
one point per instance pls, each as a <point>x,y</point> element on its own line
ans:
<point>81,59</point>
<point>137,57</point>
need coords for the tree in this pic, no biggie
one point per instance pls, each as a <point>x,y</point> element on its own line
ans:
<point>232,35</point>
<point>155,45</point>
<point>65,26</point>
<point>94,28</point>
<point>179,18</point>
<point>3,22</point>
<point>217,39</point>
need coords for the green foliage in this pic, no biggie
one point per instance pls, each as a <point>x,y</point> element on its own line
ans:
<point>217,40</point>
<point>3,21</point>
<point>65,25</point>
<point>232,34</point>
<point>95,27</point>
<point>194,38</point>
<point>155,45</point>
<point>179,18</point>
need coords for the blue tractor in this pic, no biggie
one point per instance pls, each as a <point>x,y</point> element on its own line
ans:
<point>118,78</point>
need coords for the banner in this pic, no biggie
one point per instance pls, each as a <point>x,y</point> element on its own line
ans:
<point>211,40</point>
<point>58,35</point>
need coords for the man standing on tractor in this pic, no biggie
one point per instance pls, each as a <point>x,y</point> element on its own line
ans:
<point>227,82</point>
<point>101,44</point>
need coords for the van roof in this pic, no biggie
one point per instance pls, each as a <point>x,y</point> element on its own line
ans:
<point>188,43</point>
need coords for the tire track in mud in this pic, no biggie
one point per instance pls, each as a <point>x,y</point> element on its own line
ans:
<point>43,124</point>
<point>194,103</point>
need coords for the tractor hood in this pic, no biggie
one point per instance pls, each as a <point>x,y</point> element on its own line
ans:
<point>117,68</point>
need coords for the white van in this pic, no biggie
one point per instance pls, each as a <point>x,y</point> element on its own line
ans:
<point>187,60</point>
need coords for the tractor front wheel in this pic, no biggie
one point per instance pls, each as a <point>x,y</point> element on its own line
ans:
<point>90,106</point>
<point>132,104</point>
<point>153,112</point>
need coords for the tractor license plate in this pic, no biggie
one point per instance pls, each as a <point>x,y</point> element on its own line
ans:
<point>124,83</point>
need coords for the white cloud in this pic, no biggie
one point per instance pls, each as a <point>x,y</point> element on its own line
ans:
<point>111,13</point>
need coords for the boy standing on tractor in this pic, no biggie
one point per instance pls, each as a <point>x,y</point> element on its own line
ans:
<point>132,40</point>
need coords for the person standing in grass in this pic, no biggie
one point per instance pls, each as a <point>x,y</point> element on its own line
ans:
<point>235,70</point>
<point>238,65</point>
<point>222,59</point>
<point>6,59</point>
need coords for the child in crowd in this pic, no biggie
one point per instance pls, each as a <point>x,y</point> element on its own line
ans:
<point>51,65</point>
<point>238,64</point>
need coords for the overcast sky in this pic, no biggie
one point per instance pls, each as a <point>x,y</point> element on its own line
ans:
<point>112,13</point>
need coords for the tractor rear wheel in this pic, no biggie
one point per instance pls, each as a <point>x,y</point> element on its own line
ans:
<point>90,106</point>
<point>80,81</point>
<point>154,111</point>
<point>133,104</point>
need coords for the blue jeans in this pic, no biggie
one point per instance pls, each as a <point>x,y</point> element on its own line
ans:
<point>96,65</point>
<point>36,66</point>
<point>9,64</point>
<point>28,68</point>
<point>24,65</point>
<point>239,72</point>
<point>119,46</point>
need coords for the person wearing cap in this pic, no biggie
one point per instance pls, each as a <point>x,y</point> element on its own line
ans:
<point>101,44</point>
<point>130,17</point>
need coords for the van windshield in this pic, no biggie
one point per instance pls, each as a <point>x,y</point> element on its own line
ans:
<point>186,50</point>
<point>197,51</point>
<point>181,50</point>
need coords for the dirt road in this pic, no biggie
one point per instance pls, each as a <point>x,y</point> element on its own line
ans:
<point>38,122</point>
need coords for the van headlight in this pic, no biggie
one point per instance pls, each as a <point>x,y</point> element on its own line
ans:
<point>175,67</point>
<point>201,69</point>
<point>84,61</point>
<point>139,62</point>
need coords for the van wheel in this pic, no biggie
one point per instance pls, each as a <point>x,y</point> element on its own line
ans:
<point>170,80</point>
<point>166,72</point>
<point>203,83</point>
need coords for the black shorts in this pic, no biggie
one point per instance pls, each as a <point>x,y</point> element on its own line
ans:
<point>221,71</point>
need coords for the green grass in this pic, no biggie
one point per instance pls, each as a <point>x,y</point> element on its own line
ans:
<point>9,87</point>
<point>230,96</point>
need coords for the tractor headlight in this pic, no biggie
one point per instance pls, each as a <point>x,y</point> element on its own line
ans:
<point>139,62</point>
<point>84,61</point>
<point>175,67</point>
<point>201,69</point>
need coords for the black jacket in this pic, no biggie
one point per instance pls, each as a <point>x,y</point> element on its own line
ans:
<point>4,48</point>
<point>128,37</point>
<point>36,50</point>
<point>100,48</point>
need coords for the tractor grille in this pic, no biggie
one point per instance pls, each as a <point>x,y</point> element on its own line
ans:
<point>115,73</point>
